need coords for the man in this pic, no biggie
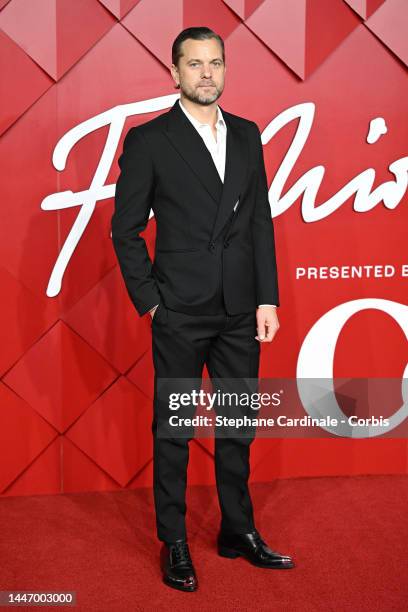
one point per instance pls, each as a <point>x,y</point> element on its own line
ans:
<point>212,290</point>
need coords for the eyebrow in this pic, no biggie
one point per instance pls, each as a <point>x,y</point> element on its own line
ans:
<point>198,60</point>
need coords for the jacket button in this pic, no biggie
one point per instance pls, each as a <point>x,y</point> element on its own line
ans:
<point>226,244</point>
<point>212,246</point>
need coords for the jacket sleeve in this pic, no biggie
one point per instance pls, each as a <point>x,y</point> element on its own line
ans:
<point>133,198</point>
<point>266,276</point>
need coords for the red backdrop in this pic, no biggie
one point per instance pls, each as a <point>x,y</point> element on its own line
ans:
<point>76,368</point>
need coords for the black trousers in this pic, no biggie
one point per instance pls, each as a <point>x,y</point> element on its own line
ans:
<point>181,345</point>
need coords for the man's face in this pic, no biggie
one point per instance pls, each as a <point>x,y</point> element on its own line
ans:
<point>201,71</point>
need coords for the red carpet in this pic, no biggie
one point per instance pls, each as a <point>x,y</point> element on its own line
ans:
<point>348,536</point>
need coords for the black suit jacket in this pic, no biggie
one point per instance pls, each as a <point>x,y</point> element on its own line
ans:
<point>203,248</point>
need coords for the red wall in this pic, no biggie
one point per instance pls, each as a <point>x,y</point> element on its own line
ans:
<point>75,363</point>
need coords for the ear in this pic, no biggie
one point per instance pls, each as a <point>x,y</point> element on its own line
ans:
<point>174,73</point>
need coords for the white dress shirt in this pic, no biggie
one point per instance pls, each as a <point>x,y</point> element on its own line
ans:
<point>216,147</point>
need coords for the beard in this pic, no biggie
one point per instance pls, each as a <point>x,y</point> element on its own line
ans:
<point>200,96</point>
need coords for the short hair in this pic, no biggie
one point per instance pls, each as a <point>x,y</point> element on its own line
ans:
<point>196,33</point>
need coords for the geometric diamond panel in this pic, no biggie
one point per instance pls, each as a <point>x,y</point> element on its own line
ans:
<point>303,34</point>
<point>115,431</point>
<point>243,8</point>
<point>60,376</point>
<point>23,435</point>
<point>22,82</point>
<point>390,24</point>
<point>81,473</point>
<point>23,318</point>
<point>64,32</point>
<point>157,28</point>
<point>142,374</point>
<point>106,318</point>
<point>28,236</point>
<point>42,476</point>
<point>364,8</point>
<point>119,8</point>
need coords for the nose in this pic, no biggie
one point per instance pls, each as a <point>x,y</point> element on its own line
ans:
<point>206,71</point>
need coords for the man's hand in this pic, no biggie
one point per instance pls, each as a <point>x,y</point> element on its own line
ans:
<point>267,323</point>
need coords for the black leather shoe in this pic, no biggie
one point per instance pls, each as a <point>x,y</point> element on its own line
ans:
<point>253,548</point>
<point>177,566</point>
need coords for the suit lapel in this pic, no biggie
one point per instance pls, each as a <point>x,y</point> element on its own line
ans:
<point>236,167</point>
<point>185,138</point>
<point>187,141</point>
